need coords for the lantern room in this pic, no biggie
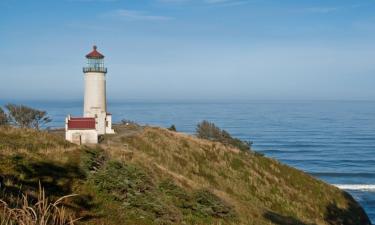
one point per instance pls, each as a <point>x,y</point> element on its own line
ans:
<point>95,62</point>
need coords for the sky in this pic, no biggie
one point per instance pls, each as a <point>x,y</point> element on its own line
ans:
<point>190,49</point>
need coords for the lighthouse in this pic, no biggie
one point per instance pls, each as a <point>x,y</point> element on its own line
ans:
<point>95,102</point>
<point>96,120</point>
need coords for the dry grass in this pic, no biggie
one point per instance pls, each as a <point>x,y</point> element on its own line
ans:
<point>145,175</point>
<point>43,212</point>
<point>31,140</point>
<point>257,186</point>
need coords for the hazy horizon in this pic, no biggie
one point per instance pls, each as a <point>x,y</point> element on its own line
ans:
<point>190,49</point>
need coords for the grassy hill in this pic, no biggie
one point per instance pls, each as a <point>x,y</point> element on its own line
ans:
<point>146,175</point>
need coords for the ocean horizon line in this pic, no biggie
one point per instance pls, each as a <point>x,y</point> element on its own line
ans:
<point>185,101</point>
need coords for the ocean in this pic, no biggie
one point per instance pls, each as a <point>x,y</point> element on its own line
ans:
<point>332,140</point>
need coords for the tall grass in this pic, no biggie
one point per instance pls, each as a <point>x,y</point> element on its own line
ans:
<point>43,212</point>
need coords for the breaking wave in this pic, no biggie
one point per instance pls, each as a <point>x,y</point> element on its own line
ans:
<point>357,187</point>
<point>333,174</point>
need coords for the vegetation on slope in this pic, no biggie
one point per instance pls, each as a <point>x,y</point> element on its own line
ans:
<point>210,131</point>
<point>145,175</point>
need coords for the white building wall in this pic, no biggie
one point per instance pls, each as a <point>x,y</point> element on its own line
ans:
<point>82,136</point>
<point>108,128</point>
<point>101,123</point>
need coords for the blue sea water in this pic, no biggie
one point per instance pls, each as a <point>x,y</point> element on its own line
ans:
<point>332,140</point>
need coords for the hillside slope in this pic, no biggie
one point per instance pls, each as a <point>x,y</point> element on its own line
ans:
<point>145,175</point>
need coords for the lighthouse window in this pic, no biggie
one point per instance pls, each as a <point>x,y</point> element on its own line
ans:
<point>95,63</point>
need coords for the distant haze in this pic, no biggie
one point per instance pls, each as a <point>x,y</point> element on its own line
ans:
<point>190,49</point>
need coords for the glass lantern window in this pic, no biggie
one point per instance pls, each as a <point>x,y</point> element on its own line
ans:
<point>95,63</point>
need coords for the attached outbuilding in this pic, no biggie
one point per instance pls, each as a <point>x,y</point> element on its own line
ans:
<point>81,130</point>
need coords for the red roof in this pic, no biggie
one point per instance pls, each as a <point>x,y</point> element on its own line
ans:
<point>94,54</point>
<point>83,123</point>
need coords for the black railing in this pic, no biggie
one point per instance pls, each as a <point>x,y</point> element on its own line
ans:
<point>94,69</point>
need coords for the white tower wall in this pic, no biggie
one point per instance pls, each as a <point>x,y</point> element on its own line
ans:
<point>95,94</point>
<point>95,104</point>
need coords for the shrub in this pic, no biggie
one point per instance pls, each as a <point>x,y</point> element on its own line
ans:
<point>26,117</point>
<point>180,197</point>
<point>3,117</point>
<point>210,131</point>
<point>122,182</point>
<point>172,128</point>
<point>201,203</point>
<point>131,186</point>
<point>92,160</point>
<point>211,205</point>
<point>128,122</point>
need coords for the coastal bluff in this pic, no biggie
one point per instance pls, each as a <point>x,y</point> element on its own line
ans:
<point>149,175</point>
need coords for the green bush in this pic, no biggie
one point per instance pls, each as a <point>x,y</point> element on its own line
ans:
<point>211,205</point>
<point>201,203</point>
<point>209,131</point>
<point>122,182</point>
<point>178,195</point>
<point>134,189</point>
<point>92,160</point>
<point>172,128</point>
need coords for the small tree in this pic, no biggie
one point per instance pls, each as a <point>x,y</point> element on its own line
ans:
<point>26,117</point>
<point>3,117</point>
<point>210,131</point>
<point>172,128</point>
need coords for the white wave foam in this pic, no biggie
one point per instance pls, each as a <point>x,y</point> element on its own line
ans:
<point>360,187</point>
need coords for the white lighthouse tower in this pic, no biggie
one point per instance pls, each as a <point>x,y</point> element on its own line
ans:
<point>95,102</point>
<point>96,120</point>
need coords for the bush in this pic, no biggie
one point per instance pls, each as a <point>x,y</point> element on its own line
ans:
<point>211,205</point>
<point>172,128</point>
<point>201,203</point>
<point>26,117</point>
<point>92,160</point>
<point>210,131</point>
<point>128,122</point>
<point>122,182</point>
<point>131,186</point>
<point>3,117</point>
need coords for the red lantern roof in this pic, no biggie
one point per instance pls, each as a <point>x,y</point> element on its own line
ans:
<point>94,54</point>
<point>86,123</point>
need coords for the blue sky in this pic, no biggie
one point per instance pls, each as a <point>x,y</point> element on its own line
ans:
<point>190,49</point>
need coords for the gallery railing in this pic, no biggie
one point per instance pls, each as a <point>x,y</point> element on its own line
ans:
<point>94,69</point>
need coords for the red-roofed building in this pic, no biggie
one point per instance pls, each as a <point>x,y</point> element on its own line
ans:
<point>81,130</point>
<point>81,123</point>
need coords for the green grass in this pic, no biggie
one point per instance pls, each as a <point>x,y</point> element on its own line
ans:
<point>29,139</point>
<point>155,176</point>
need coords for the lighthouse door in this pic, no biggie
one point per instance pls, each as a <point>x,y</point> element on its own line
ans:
<point>76,138</point>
